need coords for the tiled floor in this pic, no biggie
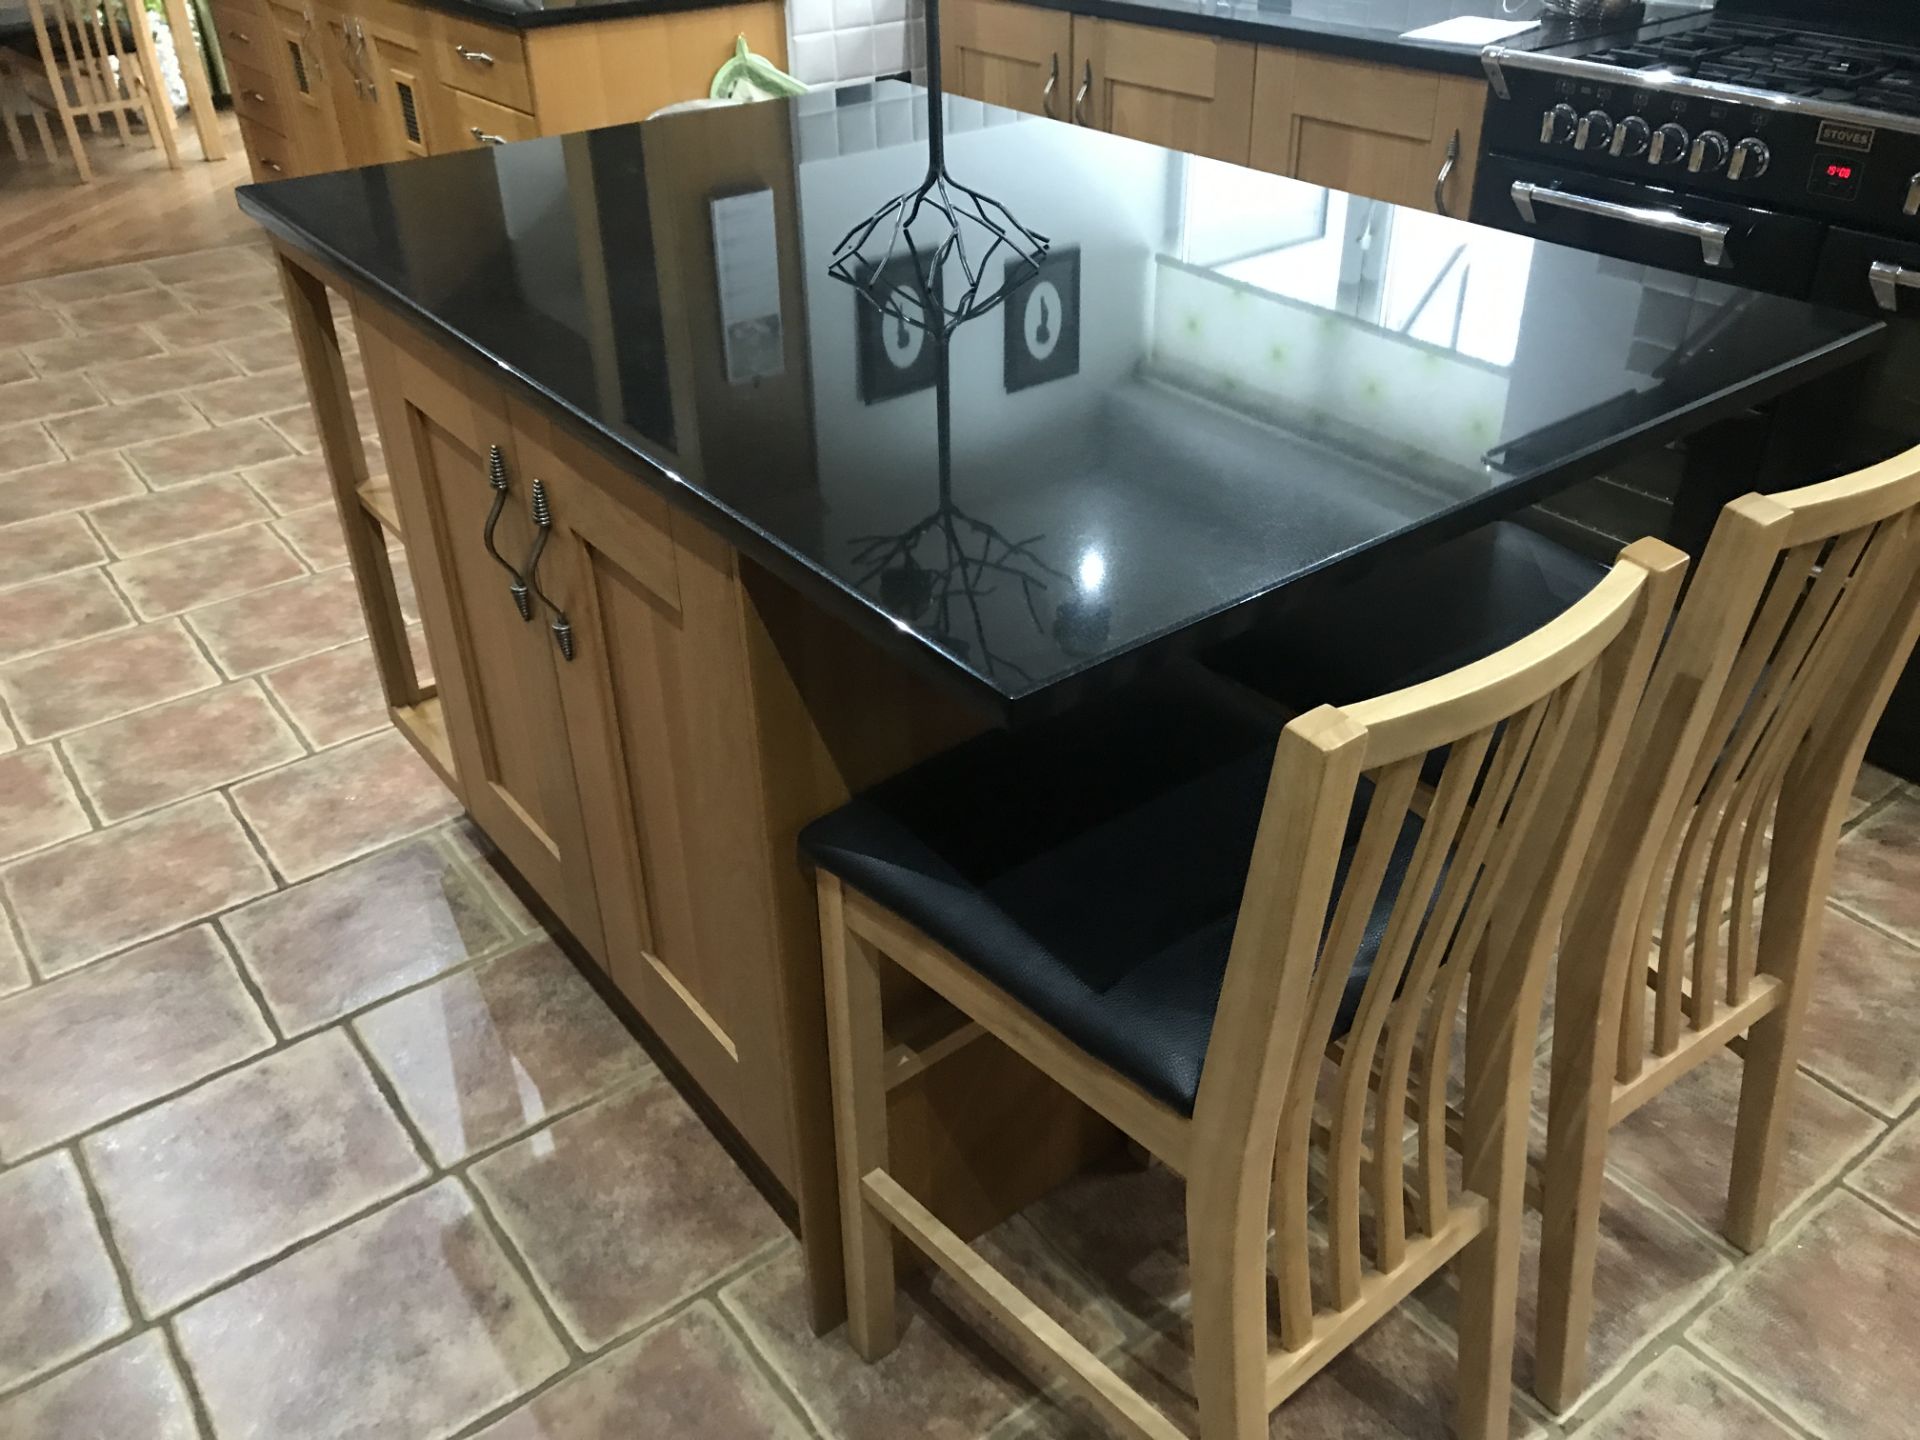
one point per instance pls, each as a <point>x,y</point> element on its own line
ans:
<point>306,1131</point>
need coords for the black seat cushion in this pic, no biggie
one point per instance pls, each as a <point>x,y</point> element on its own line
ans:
<point>1409,621</point>
<point>1092,868</point>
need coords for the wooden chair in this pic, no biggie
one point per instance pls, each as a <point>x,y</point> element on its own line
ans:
<point>1800,617</point>
<point>86,73</point>
<point>1182,943</point>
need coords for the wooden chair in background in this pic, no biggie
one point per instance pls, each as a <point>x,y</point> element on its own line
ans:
<point>87,73</point>
<point>1799,619</point>
<point>1335,909</point>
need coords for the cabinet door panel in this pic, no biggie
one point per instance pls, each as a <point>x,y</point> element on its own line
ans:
<point>1186,92</point>
<point>1007,54</point>
<point>301,66</point>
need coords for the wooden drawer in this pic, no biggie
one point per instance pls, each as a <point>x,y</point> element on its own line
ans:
<point>246,35</point>
<point>481,122</point>
<point>255,96</point>
<point>482,60</point>
<point>268,152</point>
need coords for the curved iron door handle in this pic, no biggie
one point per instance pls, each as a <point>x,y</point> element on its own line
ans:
<point>1046,90</point>
<point>1446,174</point>
<point>543,527</point>
<point>497,478</point>
<point>1080,95</point>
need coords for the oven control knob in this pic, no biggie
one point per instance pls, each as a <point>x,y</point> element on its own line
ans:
<point>1558,124</point>
<point>1594,132</point>
<point>1750,160</point>
<point>1630,138</point>
<point>1669,145</point>
<point>1709,153</point>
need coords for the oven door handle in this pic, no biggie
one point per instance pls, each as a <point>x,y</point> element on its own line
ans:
<point>1889,280</point>
<point>1712,237</point>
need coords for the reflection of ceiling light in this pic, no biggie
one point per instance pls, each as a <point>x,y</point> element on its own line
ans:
<point>1093,571</point>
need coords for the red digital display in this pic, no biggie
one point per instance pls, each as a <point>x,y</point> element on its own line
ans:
<point>1839,172</point>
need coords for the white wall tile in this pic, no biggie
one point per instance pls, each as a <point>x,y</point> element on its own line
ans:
<point>814,59</point>
<point>890,53</point>
<point>853,52</point>
<point>852,14</point>
<point>809,17</point>
<point>869,38</point>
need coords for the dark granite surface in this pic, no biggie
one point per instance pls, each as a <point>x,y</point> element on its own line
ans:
<point>1273,384</point>
<point>535,14</point>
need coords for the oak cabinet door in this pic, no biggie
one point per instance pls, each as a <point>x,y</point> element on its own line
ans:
<point>1405,136</point>
<point>1006,54</point>
<point>405,105</point>
<point>1186,92</point>
<point>660,721</point>
<point>497,671</point>
<point>300,66</point>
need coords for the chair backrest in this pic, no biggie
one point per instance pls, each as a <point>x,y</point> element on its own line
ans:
<point>1525,739</point>
<point>1798,620</point>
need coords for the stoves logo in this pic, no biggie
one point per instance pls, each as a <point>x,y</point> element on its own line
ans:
<point>1846,137</point>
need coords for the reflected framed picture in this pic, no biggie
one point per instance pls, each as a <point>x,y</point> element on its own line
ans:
<point>1043,322</point>
<point>895,357</point>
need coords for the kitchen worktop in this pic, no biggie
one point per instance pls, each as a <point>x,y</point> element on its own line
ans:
<point>1264,384</point>
<point>1360,29</point>
<point>539,14</point>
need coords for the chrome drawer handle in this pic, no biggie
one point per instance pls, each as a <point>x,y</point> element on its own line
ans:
<point>473,57</point>
<point>1080,95</point>
<point>1888,281</point>
<point>484,138</point>
<point>1712,237</point>
<point>272,165</point>
<point>241,36</point>
<point>1046,90</point>
<point>256,97</point>
<point>1446,174</point>
<point>543,527</point>
<point>497,478</point>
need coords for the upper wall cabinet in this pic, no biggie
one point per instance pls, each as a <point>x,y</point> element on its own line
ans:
<point>1186,92</point>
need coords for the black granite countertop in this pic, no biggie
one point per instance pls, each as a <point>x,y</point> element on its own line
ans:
<point>1228,389</point>
<point>1363,29</point>
<point>537,14</point>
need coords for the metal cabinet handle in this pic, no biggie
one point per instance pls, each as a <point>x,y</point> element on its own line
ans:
<point>272,165</point>
<point>241,36</point>
<point>1446,173</point>
<point>542,528</point>
<point>1712,237</point>
<point>256,97</point>
<point>497,478</point>
<point>310,51</point>
<point>1888,281</point>
<point>472,57</point>
<point>1046,90</point>
<point>1080,95</point>
<point>484,138</point>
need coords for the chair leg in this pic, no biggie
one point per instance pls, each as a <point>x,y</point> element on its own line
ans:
<point>856,1044</point>
<point>1227,1245</point>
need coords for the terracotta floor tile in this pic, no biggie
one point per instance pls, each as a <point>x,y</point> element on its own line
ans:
<point>101,679</point>
<point>14,367</point>
<point>194,328</point>
<point>298,425</point>
<point>52,545</point>
<point>688,1378</point>
<point>1891,1174</point>
<point>205,452</point>
<point>465,839</point>
<point>332,696</point>
<point>58,1293</point>
<point>251,395</point>
<point>13,964</point>
<point>162,374</point>
<point>1679,1146</point>
<point>481,1056</point>
<point>155,757</point>
<point>281,624</point>
<point>86,897</point>
<point>22,446</point>
<point>218,292</point>
<point>27,400</point>
<point>409,1322</point>
<point>318,812</point>
<point>279,1149</point>
<point>297,482</point>
<point>354,936</point>
<point>148,521</point>
<point>99,347</point>
<point>1679,1397</point>
<point>130,1390</point>
<point>216,262</point>
<point>1822,1323</point>
<point>1873,868</point>
<point>113,426</point>
<point>135,307</point>
<point>1865,1011</point>
<point>316,535</point>
<point>65,485</point>
<point>94,284</point>
<point>25,327</point>
<point>168,1013</point>
<point>79,605</point>
<point>41,808</point>
<point>272,350</point>
<point>207,570</point>
<point>575,1198</point>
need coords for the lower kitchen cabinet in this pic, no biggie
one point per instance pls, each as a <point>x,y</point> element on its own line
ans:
<point>1186,92</point>
<point>1019,56</point>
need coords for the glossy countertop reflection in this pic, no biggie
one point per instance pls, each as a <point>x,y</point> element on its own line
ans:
<point>1263,384</point>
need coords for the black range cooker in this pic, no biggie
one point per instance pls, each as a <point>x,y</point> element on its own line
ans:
<point>1769,144</point>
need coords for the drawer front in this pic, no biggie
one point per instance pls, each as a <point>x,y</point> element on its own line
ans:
<point>255,96</point>
<point>482,60</point>
<point>246,36</point>
<point>267,151</point>
<point>481,122</point>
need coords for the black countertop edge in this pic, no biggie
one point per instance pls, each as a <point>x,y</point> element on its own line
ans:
<point>525,17</point>
<point>1350,43</point>
<point>1234,618</point>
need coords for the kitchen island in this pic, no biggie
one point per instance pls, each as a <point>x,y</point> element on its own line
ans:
<point>697,559</point>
